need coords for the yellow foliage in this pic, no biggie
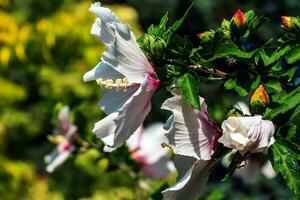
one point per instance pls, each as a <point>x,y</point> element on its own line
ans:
<point>56,83</point>
<point>19,173</point>
<point>8,29</point>
<point>11,92</point>
<point>5,54</point>
<point>112,194</point>
<point>13,38</point>
<point>91,162</point>
<point>73,22</point>
<point>40,191</point>
<point>20,51</point>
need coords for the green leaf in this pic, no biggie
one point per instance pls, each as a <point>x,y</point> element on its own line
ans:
<point>293,55</point>
<point>163,21</point>
<point>275,56</point>
<point>272,113</point>
<point>231,84</point>
<point>286,103</point>
<point>256,83</point>
<point>230,49</point>
<point>189,87</point>
<point>289,74</point>
<point>216,194</point>
<point>284,156</point>
<point>254,22</point>
<point>179,22</point>
<point>296,114</point>
<point>292,131</point>
<point>274,85</point>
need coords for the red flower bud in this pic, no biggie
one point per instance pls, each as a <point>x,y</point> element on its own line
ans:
<point>259,100</point>
<point>239,18</point>
<point>286,22</point>
<point>260,95</point>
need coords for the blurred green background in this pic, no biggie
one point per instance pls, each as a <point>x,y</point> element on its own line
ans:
<point>45,48</point>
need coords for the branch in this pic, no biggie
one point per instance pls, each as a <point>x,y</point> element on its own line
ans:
<point>216,72</point>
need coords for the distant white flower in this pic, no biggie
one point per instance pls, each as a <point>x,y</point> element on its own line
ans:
<point>64,137</point>
<point>146,149</point>
<point>58,156</point>
<point>127,78</point>
<point>244,134</point>
<point>193,136</point>
<point>268,171</point>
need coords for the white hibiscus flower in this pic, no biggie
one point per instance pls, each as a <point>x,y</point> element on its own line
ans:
<point>127,78</point>
<point>250,133</point>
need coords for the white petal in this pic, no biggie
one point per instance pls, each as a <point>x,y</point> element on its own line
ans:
<point>126,57</point>
<point>191,133</point>
<point>104,26</point>
<point>72,129</point>
<point>102,70</point>
<point>123,123</point>
<point>63,114</point>
<point>105,127</point>
<point>264,137</point>
<point>237,137</point>
<point>112,100</point>
<point>108,149</point>
<point>243,107</point>
<point>57,158</point>
<point>191,184</point>
<point>57,161</point>
<point>233,123</point>
<point>123,52</point>
<point>183,164</point>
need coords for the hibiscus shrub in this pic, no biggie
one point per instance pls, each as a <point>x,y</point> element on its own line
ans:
<point>264,74</point>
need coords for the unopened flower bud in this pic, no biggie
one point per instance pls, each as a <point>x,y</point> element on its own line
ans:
<point>155,45</point>
<point>239,19</point>
<point>206,36</point>
<point>290,23</point>
<point>286,22</point>
<point>259,100</point>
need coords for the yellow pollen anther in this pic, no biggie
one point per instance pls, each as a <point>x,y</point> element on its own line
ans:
<point>117,84</point>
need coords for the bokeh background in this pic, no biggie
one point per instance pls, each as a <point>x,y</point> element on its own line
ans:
<point>45,48</point>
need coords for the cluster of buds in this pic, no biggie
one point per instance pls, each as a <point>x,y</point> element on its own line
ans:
<point>259,100</point>
<point>291,23</point>
<point>155,45</point>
